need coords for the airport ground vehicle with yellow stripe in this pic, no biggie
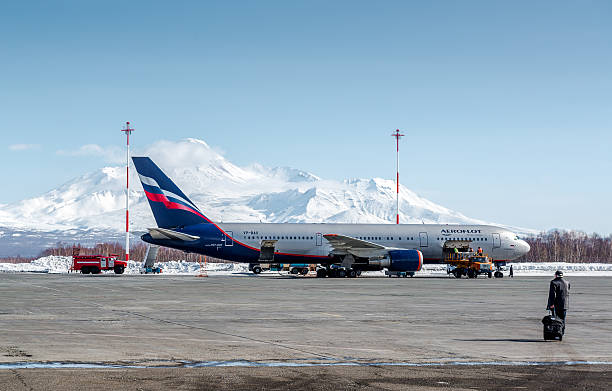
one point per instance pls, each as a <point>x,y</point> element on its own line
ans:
<point>470,265</point>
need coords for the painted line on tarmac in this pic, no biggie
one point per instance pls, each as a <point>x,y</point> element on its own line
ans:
<point>103,307</point>
<point>239,363</point>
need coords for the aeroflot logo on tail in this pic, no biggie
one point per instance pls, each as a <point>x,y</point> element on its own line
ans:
<point>460,231</point>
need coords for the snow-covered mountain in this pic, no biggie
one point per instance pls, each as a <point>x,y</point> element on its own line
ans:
<point>95,202</point>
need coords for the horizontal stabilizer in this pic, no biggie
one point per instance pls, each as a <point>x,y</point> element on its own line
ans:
<point>168,234</point>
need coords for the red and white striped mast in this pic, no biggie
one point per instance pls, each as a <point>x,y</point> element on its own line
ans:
<point>397,136</point>
<point>127,131</point>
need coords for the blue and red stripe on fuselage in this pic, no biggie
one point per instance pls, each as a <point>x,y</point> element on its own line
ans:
<point>212,242</point>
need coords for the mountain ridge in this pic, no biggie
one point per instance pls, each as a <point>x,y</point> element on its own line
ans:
<point>95,201</point>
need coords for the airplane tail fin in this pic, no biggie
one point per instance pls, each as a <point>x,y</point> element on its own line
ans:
<point>171,207</point>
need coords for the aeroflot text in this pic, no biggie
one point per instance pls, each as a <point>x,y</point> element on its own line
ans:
<point>460,231</point>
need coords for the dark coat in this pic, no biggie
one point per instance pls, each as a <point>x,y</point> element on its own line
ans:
<point>559,294</point>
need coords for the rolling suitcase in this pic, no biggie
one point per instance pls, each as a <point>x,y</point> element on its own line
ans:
<point>554,327</point>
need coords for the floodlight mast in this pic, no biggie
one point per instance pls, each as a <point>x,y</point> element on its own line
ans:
<point>127,131</point>
<point>397,136</point>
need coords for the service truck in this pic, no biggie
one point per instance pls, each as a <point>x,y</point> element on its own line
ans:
<point>94,264</point>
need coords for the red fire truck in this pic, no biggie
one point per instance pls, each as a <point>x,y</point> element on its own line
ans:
<point>94,264</point>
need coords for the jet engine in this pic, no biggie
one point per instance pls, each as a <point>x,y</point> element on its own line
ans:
<point>401,261</point>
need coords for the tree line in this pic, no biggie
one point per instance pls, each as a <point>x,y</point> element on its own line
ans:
<point>555,246</point>
<point>570,246</point>
<point>137,252</point>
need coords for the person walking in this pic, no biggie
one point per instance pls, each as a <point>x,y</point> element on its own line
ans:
<point>511,272</point>
<point>558,296</point>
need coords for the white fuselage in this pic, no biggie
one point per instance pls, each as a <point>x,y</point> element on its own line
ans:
<point>307,239</point>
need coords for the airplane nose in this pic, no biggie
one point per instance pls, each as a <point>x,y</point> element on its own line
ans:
<point>526,247</point>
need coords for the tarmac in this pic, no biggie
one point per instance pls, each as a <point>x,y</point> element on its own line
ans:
<point>261,332</point>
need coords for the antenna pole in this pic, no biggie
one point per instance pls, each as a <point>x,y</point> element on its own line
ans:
<point>127,131</point>
<point>397,136</point>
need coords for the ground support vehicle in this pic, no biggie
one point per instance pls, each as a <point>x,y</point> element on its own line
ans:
<point>500,267</point>
<point>299,268</point>
<point>154,270</point>
<point>148,266</point>
<point>470,265</point>
<point>398,274</point>
<point>293,268</point>
<point>94,264</point>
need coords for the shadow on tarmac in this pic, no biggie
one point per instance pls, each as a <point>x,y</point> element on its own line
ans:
<point>503,340</point>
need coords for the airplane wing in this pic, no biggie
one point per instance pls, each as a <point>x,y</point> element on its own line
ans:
<point>348,245</point>
<point>163,233</point>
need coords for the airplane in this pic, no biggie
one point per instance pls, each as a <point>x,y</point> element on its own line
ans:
<point>342,250</point>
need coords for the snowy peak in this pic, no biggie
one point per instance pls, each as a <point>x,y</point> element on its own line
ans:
<point>225,192</point>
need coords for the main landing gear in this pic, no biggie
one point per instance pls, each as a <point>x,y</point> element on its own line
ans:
<point>337,273</point>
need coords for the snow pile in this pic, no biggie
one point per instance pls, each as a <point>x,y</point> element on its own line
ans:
<point>50,264</point>
<point>527,269</point>
<point>179,267</point>
<point>56,264</point>
<point>570,269</point>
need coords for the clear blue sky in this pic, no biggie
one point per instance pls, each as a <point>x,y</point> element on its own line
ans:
<point>507,106</point>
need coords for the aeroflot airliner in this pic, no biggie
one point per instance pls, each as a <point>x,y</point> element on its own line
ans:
<point>351,247</point>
